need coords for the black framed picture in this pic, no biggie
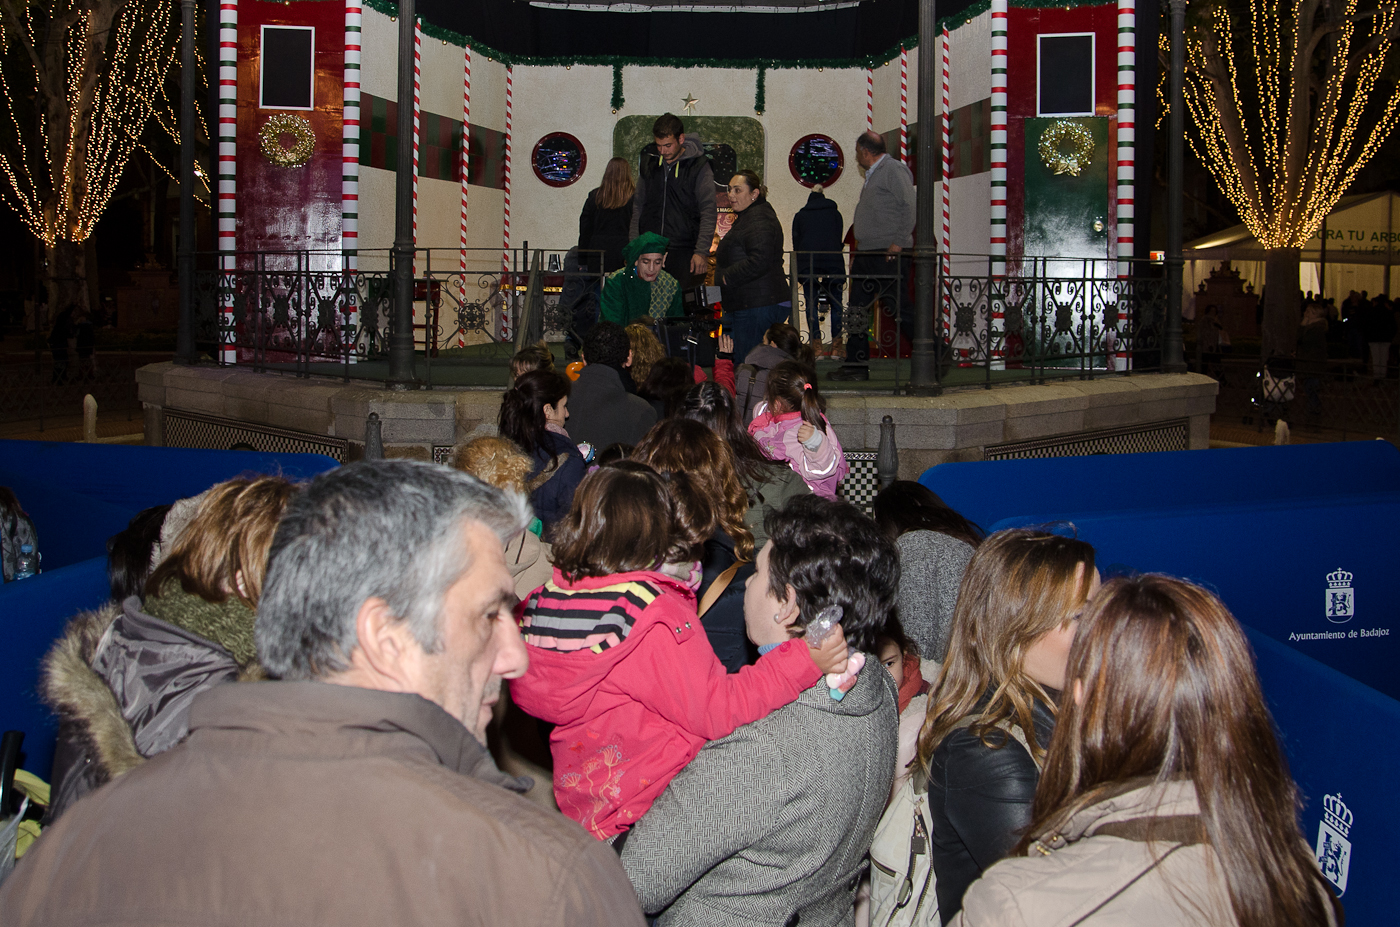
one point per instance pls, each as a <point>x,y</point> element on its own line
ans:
<point>559,159</point>
<point>816,159</point>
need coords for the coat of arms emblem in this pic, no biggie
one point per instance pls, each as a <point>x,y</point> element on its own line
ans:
<point>1333,845</point>
<point>1341,600</point>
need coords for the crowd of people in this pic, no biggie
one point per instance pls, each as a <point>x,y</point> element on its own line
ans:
<point>652,237</point>
<point>761,705</point>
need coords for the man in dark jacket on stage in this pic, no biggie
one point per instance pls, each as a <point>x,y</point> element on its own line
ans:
<point>675,198</point>
<point>356,789</point>
<point>818,227</point>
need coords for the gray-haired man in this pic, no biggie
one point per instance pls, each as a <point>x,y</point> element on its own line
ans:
<point>355,790</point>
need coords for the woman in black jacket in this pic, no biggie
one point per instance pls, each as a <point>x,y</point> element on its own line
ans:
<point>749,265</point>
<point>606,215</point>
<point>992,710</point>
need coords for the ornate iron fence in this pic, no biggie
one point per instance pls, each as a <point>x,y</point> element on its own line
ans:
<point>1049,317</point>
<point>1045,318</point>
<point>303,311</point>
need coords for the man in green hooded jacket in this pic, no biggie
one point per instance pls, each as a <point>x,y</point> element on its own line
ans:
<point>641,289</point>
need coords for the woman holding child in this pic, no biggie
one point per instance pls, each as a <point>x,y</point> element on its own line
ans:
<point>770,825</point>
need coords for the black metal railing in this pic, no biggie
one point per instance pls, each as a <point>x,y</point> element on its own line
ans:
<point>302,311</point>
<point>1038,318</point>
<point>1049,318</point>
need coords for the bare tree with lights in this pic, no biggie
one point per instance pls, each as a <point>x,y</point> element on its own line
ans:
<point>79,81</point>
<point>1289,102</point>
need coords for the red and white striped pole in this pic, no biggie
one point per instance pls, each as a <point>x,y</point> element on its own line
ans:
<point>998,139</point>
<point>463,168</point>
<point>1127,143</point>
<point>904,104</point>
<point>417,132</point>
<point>228,154</point>
<point>869,100</point>
<point>350,161</point>
<point>505,229</point>
<point>946,140</point>
<point>1127,117</point>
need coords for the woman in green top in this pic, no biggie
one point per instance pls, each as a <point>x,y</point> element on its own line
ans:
<point>641,289</point>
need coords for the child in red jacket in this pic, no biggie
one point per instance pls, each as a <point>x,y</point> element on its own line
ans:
<point>620,662</point>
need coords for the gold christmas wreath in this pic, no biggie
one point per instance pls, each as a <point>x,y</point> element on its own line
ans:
<point>271,139</point>
<point>1080,140</point>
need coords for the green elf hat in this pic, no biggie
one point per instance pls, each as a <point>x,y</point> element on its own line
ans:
<point>645,243</point>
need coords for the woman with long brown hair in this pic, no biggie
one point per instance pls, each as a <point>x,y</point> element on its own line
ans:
<point>1165,798</point>
<point>682,446</point>
<point>992,709</point>
<point>607,213</point>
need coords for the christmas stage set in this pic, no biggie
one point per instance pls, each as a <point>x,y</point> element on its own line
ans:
<point>1037,275</point>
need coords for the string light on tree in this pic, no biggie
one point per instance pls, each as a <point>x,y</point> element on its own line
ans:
<point>78,95</point>
<point>1286,138</point>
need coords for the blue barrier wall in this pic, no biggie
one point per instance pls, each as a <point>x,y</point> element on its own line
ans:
<point>989,491</point>
<point>1342,751</point>
<point>1279,569</point>
<point>34,612</point>
<point>81,494</point>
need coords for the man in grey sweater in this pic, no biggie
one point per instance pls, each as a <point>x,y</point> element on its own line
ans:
<point>884,228</point>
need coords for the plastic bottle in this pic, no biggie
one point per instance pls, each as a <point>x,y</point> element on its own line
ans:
<point>821,627</point>
<point>27,564</point>
<point>818,630</point>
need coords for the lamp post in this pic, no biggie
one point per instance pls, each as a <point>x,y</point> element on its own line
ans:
<point>401,375</point>
<point>923,377</point>
<point>1172,359</point>
<point>184,339</point>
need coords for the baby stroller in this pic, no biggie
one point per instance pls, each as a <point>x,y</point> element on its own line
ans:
<point>1277,385</point>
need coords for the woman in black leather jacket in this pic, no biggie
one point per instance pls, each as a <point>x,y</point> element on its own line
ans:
<point>749,265</point>
<point>993,707</point>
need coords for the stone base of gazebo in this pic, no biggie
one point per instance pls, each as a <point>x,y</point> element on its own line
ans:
<point>222,407</point>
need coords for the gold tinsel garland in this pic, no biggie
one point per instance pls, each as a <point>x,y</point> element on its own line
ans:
<point>271,139</point>
<point>1081,141</point>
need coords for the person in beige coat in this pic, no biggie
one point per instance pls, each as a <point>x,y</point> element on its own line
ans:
<point>1165,799</point>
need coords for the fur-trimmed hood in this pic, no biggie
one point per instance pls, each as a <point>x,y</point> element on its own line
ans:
<point>121,682</point>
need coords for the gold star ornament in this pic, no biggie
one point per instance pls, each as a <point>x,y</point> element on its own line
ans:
<point>690,103</point>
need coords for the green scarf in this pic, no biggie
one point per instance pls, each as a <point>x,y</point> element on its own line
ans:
<point>228,623</point>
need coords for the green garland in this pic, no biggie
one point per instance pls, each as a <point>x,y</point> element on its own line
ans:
<point>758,100</point>
<point>390,8</point>
<point>617,98</point>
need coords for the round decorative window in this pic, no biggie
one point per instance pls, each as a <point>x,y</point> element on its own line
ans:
<point>816,159</point>
<point>559,159</point>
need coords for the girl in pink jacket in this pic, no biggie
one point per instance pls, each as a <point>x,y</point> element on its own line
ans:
<point>619,660</point>
<point>790,425</point>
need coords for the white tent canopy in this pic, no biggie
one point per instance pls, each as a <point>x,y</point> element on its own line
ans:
<point>1361,252</point>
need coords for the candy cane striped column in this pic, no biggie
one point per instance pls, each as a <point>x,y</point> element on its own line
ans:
<point>228,155</point>
<point>417,131</point>
<point>350,139</point>
<point>869,99</point>
<point>465,160</point>
<point>998,141</point>
<point>350,159</point>
<point>505,230</point>
<point>1127,116</point>
<point>904,104</point>
<point>946,132</point>
<point>1127,143</point>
